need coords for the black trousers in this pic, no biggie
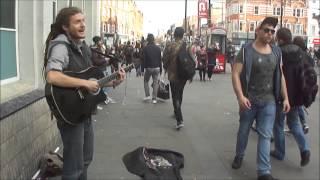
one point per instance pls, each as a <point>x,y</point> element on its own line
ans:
<point>177,94</point>
<point>210,71</point>
<point>202,74</point>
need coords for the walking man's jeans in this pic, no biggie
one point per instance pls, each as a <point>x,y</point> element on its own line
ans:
<point>177,94</point>
<point>155,73</point>
<point>77,149</point>
<point>295,127</point>
<point>264,113</point>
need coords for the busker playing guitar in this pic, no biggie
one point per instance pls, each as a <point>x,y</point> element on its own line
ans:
<point>66,51</point>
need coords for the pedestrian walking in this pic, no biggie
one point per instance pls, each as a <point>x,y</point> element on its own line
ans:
<point>211,54</point>
<point>259,85</point>
<point>202,60</point>
<point>170,65</point>
<point>152,67</point>
<point>66,51</point>
<point>292,66</point>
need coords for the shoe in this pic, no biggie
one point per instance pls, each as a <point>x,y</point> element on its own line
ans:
<point>99,107</point>
<point>266,177</point>
<point>275,155</point>
<point>237,162</point>
<point>179,125</point>
<point>147,98</point>
<point>305,158</point>
<point>111,100</point>
<point>154,101</point>
<point>305,128</point>
<point>107,101</point>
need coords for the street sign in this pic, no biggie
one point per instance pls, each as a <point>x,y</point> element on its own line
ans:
<point>203,8</point>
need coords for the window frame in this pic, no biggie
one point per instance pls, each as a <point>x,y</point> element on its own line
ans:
<point>258,10</point>
<point>240,9</point>
<point>15,30</point>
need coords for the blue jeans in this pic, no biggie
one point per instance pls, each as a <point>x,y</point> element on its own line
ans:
<point>77,149</point>
<point>264,113</point>
<point>295,128</point>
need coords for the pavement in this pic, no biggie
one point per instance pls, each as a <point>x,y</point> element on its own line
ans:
<point>207,141</point>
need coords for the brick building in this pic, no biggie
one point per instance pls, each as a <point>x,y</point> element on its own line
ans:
<point>243,16</point>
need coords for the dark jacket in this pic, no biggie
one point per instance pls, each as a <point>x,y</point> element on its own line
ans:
<point>152,56</point>
<point>246,71</point>
<point>292,69</point>
<point>211,56</point>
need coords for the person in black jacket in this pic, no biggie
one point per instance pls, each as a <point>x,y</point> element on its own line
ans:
<point>291,71</point>
<point>152,66</point>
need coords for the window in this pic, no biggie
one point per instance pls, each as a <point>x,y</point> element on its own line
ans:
<point>298,13</point>
<point>54,10</point>
<point>256,10</point>
<point>313,30</point>
<point>298,29</point>
<point>241,9</point>
<point>8,59</point>
<point>7,18</point>
<point>252,26</point>
<point>70,3</point>
<point>276,11</point>
<point>241,26</point>
<point>288,26</point>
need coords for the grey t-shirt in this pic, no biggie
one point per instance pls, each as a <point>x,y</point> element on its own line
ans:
<point>261,78</point>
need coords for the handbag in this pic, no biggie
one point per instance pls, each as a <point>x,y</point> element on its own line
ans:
<point>163,90</point>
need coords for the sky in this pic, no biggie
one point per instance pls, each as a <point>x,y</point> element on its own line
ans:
<point>160,14</point>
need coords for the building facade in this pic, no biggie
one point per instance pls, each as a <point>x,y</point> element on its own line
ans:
<point>121,18</point>
<point>26,128</point>
<point>313,23</point>
<point>243,16</point>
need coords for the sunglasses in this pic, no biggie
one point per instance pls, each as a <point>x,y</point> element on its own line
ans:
<point>267,30</point>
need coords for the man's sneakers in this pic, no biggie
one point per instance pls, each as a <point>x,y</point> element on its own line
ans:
<point>305,158</point>
<point>179,125</point>
<point>237,162</point>
<point>266,177</point>
<point>147,98</point>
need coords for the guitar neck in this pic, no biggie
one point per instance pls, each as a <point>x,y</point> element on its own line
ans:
<point>113,76</point>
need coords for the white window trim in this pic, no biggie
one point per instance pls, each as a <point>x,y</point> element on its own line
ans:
<point>15,78</point>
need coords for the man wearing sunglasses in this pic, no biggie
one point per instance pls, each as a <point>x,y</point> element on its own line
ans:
<point>259,85</point>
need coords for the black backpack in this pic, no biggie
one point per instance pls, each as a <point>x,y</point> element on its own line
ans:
<point>309,81</point>
<point>186,66</point>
